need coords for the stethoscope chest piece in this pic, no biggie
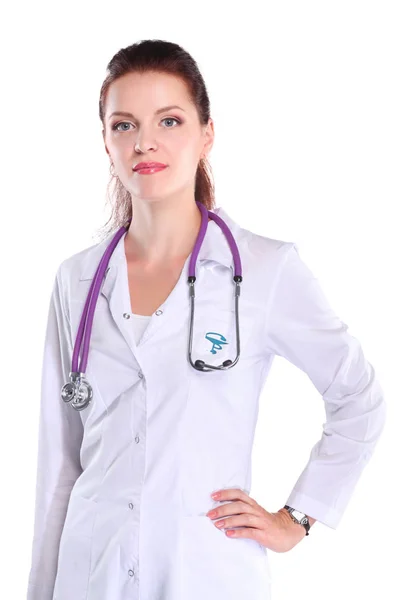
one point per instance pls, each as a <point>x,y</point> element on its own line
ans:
<point>78,391</point>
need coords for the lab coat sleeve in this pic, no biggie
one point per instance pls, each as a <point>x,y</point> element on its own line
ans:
<point>302,327</point>
<point>58,457</point>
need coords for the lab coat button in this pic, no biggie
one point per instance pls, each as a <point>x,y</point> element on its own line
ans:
<point>130,505</point>
<point>126,316</point>
<point>140,374</point>
<point>159,312</point>
<point>137,439</point>
<point>130,572</point>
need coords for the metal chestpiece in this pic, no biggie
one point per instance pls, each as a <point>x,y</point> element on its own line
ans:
<point>78,391</point>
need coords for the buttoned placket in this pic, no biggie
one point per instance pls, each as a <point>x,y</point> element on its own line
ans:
<point>127,316</point>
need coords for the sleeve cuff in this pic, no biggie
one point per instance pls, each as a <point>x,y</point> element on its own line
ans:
<point>312,508</point>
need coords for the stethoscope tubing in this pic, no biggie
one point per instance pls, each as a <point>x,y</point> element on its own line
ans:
<point>78,390</point>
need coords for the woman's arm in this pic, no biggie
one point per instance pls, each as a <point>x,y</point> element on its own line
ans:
<point>302,327</point>
<point>58,457</point>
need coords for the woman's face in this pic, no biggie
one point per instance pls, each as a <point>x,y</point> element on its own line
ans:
<point>173,137</point>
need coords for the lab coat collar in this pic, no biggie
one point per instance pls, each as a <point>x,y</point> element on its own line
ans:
<point>215,247</point>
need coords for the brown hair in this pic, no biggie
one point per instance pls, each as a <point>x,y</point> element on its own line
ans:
<point>164,57</point>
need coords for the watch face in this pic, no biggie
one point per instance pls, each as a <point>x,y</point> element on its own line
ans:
<point>298,515</point>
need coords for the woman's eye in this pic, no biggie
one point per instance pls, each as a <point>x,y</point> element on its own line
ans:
<point>116,126</point>
<point>171,119</point>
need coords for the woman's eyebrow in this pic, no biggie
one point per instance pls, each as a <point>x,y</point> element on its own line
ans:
<point>122,113</point>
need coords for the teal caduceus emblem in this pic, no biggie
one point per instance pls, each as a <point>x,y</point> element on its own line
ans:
<point>217,342</point>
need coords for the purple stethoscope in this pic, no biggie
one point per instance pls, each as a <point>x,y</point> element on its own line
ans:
<point>78,391</point>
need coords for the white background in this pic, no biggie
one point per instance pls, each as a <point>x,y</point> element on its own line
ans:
<point>305,100</point>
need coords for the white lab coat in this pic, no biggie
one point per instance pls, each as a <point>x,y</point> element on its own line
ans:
<point>123,487</point>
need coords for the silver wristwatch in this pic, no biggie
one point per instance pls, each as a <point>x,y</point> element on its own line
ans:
<point>298,517</point>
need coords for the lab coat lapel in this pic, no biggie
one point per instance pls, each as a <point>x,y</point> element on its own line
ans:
<point>115,290</point>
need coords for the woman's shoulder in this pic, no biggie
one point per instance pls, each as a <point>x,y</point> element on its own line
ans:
<point>264,250</point>
<point>259,246</point>
<point>74,266</point>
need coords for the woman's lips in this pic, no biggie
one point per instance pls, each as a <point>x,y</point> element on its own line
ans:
<point>149,170</point>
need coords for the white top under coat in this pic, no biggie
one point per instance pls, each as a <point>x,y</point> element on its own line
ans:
<point>139,324</point>
<point>123,487</point>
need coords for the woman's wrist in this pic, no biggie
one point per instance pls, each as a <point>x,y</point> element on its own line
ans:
<point>310,519</point>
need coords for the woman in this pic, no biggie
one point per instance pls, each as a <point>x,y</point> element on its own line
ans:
<point>124,486</point>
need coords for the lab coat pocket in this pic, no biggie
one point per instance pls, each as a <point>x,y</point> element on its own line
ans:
<point>214,334</point>
<point>74,556</point>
